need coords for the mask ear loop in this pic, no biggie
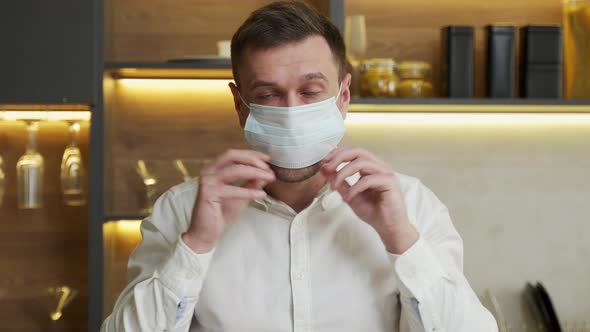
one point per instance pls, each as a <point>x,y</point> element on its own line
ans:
<point>243,101</point>
<point>339,92</point>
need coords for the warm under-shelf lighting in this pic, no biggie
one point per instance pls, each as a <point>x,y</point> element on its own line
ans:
<point>174,85</point>
<point>45,115</point>
<point>171,73</point>
<point>437,118</point>
<point>214,88</point>
<point>120,238</point>
<point>44,107</point>
<point>467,108</point>
<point>124,226</point>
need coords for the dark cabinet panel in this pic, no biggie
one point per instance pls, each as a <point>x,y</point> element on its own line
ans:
<point>48,51</point>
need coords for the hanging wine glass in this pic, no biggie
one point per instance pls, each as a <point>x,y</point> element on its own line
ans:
<point>355,36</point>
<point>72,170</point>
<point>29,169</point>
<point>150,182</point>
<point>179,164</point>
<point>2,181</point>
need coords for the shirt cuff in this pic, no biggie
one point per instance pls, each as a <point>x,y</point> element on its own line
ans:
<point>184,271</point>
<point>417,269</point>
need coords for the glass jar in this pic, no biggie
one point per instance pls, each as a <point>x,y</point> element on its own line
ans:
<point>378,78</point>
<point>576,45</point>
<point>414,82</point>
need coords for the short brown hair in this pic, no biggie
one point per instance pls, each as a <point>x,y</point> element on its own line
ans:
<point>285,22</point>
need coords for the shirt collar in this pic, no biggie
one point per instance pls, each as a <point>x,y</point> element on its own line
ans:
<point>327,198</point>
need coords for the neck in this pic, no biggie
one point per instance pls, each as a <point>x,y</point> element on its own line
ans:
<point>298,195</point>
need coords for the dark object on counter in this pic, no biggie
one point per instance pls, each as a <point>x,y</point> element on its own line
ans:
<point>532,299</point>
<point>501,75</point>
<point>541,62</point>
<point>457,61</point>
<point>548,305</point>
<point>540,304</point>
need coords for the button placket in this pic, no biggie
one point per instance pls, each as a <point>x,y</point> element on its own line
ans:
<point>299,275</point>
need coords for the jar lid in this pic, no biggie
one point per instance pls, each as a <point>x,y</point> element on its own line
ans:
<point>413,69</point>
<point>414,65</point>
<point>378,62</point>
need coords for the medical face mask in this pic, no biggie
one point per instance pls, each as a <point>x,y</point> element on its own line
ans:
<point>297,136</point>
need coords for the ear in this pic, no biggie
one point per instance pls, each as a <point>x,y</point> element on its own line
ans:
<point>241,109</point>
<point>345,95</point>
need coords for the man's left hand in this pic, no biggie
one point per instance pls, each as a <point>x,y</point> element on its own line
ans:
<point>376,197</point>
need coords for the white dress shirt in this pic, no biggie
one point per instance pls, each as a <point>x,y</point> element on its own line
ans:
<point>322,269</point>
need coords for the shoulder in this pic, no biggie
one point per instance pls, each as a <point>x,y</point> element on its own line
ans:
<point>172,211</point>
<point>182,197</point>
<point>185,190</point>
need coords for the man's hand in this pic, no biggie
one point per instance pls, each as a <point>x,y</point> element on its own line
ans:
<point>376,198</point>
<point>220,199</point>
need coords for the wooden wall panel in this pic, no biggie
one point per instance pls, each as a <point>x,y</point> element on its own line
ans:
<point>158,30</point>
<point>410,29</point>
<point>41,248</point>
<point>159,121</point>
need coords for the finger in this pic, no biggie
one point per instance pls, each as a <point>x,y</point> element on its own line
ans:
<point>255,184</point>
<point>346,154</point>
<point>333,152</point>
<point>245,173</point>
<point>233,192</point>
<point>343,189</point>
<point>374,182</point>
<point>245,157</point>
<point>364,166</point>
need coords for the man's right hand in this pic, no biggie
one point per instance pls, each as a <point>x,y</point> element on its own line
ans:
<point>220,199</point>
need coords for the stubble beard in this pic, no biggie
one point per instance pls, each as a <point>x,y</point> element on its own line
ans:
<point>295,175</point>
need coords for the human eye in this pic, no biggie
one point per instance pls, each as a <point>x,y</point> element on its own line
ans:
<point>266,95</point>
<point>311,93</point>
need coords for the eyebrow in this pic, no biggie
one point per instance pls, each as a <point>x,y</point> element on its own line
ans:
<point>314,76</point>
<point>307,77</point>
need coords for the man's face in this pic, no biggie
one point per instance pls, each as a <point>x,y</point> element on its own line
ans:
<point>293,74</point>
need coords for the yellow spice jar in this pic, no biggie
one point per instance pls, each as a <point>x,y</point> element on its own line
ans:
<point>378,78</point>
<point>414,82</point>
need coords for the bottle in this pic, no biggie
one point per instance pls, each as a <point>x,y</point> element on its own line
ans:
<point>576,40</point>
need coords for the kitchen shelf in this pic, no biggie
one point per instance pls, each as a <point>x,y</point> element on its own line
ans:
<point>108,218</point>
<point>472,105</point>
<point>207,68</point>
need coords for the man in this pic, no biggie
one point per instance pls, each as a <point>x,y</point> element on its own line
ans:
<point>299,235</point>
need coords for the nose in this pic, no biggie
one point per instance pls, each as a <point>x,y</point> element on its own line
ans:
<point>293,99</point>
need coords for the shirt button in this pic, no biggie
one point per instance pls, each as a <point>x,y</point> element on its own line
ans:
<point>299,275</point>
